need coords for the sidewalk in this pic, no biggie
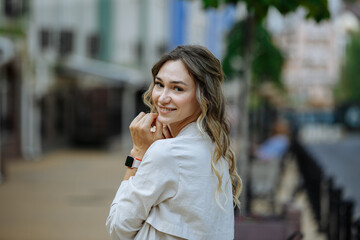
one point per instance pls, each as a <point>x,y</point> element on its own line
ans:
<point>67,194</point>
<point>284,194</point>
<point>64,195</point>
<point>288,184</point>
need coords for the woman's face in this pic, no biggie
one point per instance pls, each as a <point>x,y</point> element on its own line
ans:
<point>174,95</point>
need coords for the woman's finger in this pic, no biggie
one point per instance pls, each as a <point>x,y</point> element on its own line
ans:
<point>137,119</point>
<point>141,123</point>
<point>150,118</point>
<point>158,129</point>
<point>146,122</point>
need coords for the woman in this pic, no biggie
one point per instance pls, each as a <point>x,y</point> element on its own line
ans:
<point>187,176</point>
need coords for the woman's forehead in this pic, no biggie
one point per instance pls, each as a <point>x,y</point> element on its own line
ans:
<point>175,72</point>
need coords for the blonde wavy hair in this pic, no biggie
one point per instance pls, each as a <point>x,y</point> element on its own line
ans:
<point>207,73</point>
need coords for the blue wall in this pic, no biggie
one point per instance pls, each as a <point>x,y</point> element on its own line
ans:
<point>218,22</point>
<point>178,21</point>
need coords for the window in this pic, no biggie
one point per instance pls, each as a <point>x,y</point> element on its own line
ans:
<point>139,51</point>
<point>66,42</point>
<point>13,8</point>
<point>44,39</point>
<point>93,45</point>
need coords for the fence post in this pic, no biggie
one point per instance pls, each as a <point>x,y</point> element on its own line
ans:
<point>326,188</point>
<point>335,198</point>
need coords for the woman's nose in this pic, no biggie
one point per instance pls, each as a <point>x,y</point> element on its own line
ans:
<point>164,97</point>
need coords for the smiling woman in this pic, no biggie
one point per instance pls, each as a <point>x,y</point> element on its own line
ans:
<point>174,96</point>
<point>181,174</point>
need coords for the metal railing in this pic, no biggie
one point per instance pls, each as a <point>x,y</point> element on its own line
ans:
<point>332,210</point>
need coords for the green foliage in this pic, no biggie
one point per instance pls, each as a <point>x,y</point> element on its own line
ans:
<point>249,45</point>
<point>14,30</point>
<point>267,59</point>
<point>348,88</point>
<point>10,32</point>
<point>316,9</point>
<point>211,3</point>
<point>235,51</point>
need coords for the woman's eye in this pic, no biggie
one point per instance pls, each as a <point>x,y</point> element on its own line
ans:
<point>178,89</point>
<point>158,84</point>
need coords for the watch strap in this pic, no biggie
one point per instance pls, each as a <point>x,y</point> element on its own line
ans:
<point>136,163</point>
<point>132,162</point>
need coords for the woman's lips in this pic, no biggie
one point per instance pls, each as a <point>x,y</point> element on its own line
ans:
<point>166,110</point>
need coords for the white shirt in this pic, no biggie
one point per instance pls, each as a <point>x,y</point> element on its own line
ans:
<point>172,195</point>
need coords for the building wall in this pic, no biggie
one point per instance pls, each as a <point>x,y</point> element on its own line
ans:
<point>11,44</point>
<point>313,54</point>
<point>312,67</point>
<point>129,35</point>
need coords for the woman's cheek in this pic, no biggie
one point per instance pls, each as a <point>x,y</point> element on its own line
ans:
<point>154,97</point>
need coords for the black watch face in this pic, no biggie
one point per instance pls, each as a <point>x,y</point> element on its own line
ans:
<point>129,161</point>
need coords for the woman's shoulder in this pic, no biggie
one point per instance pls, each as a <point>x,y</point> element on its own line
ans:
<point>187,142</point>
<point>170,147</point>
<point>161,145</point>
<point>159,150</point>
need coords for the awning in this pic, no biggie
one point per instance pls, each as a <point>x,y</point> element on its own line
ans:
<point>108,73</point>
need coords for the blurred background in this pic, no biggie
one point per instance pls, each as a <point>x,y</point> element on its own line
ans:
<point>72,75</point>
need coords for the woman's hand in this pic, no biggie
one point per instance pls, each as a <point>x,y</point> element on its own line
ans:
<point>141,134</point>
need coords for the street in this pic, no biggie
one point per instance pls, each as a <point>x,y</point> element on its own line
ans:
<point>64,195</point>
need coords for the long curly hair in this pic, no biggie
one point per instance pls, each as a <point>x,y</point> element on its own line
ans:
<point>207,73</point>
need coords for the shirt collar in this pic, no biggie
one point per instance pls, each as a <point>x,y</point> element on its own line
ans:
<point>189,129</point>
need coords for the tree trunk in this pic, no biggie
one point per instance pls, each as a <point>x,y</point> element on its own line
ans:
<point>243,134</point>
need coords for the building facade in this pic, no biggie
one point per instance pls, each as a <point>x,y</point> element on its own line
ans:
<point>314,54</point>
<point>83,65</point>
<point>11,46</point>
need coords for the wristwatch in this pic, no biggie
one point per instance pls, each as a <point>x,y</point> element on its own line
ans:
<point>132,162</point>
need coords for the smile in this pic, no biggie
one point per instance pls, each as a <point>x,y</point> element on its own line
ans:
<point>163,109</point>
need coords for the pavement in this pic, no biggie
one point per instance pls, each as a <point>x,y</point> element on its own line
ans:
<point>289,183</point>
<point>66,194</point>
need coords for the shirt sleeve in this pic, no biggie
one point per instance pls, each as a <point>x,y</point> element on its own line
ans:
<point>156,180</point>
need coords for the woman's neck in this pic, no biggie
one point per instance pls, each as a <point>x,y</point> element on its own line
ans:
<point>175,128</point>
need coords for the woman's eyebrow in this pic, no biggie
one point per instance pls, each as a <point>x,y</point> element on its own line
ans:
<point>158,78</point>
<point>179,82</point>
<point>172,82</point>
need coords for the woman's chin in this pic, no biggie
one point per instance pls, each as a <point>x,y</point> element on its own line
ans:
<point>163,120</point>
